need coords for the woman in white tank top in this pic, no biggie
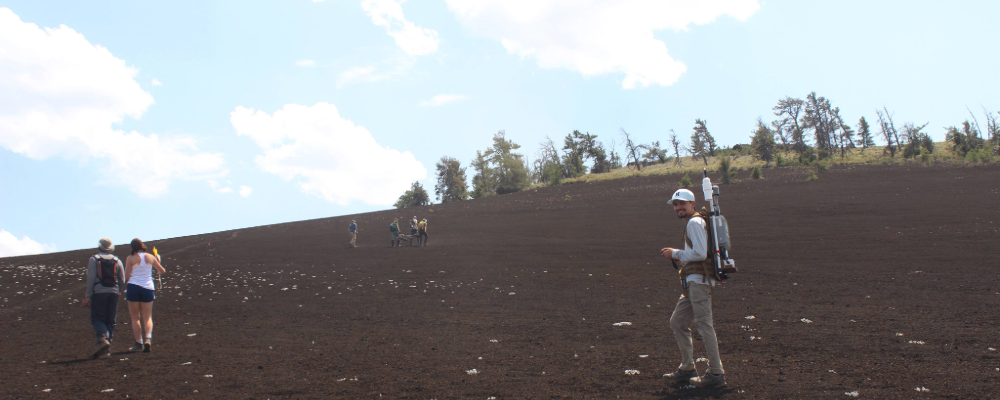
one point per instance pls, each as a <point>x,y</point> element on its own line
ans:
<point>140,293</point>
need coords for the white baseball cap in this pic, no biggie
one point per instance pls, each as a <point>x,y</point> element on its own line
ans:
<point>681,194</point>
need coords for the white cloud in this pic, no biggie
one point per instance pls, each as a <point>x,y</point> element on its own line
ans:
<point>245,191</point>
<point>412,39</point>
<point>11,246</point>
<point>328,155</point>
<point>442,99</point>
<point>155,82</point>
<point>218,188</point>
<point>597,37</point>
<point>386,70</point>
<point>61,95</point>
<point>306,63</point>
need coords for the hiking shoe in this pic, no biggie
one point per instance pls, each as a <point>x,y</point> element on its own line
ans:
<point>136,346</point>
<point>103,349</point>
<point>709,380</point>
<point>146,344</point>
<point>681,376</point>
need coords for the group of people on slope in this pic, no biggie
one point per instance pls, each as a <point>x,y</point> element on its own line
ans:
<point>418,231</point>
<point>107,280</point>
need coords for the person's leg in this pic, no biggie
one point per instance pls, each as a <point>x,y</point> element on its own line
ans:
<point>680,323</point>
<point>701,304</point>
<point>354,239</point>
<point>98,315</point>
<point>411,237</point>
<point>111,318</point>
<point>147,319</point>
<point>424,237</point>
<point>135,318</point>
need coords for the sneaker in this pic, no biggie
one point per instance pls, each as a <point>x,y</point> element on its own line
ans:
<point>103,347</point>
<point>709,380</point>
<point>681,376</point>
<point>146,344</point>
<point>136,346</point>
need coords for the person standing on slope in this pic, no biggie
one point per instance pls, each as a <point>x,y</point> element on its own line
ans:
<point>422,226</point>
<point>413,230</point>
<point>352,229</point>
<point>105,283</point>
<point>394,233</point>
<point>140,293</point>
<point>697,273</point>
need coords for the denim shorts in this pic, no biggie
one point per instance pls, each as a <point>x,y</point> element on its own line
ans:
<point>136,293</point>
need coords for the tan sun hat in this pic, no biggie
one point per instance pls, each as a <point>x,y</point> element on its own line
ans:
<point>106,245</point>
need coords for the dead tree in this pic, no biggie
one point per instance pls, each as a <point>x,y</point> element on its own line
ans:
<point>677,147</point>
<point>630,151</point>
<point>888,131</point>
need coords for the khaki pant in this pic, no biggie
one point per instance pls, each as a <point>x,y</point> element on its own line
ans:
<point>696,308</point>
<point>354,237</point>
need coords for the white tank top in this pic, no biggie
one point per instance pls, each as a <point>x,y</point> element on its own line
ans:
<point>142,274</point>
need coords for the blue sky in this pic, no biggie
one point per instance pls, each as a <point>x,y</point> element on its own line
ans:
<point>132,119</point>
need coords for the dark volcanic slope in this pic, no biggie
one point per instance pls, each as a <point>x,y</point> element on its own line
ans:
<point>516,295</point>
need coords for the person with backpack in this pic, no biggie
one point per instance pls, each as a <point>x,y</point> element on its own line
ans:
<point>422,226</point>
<point>413,230</point>
<point>352,229</point>
<point>394,233</point>
<point>140,293</point>
<point>105,283</point>
<point>698,278</point>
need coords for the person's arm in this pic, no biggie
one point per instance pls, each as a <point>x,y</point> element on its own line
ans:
<point>128,268</point>
<point>152,260</point>
<point>121,277</point>
<point>699,243</point>
<point>91,278</point>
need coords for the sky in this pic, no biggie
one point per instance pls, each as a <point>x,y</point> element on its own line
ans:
<point>163,119</point>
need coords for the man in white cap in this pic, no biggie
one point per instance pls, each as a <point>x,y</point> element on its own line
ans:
<point>413,231</point>
<point>697,273</point>
<point>105,284</point>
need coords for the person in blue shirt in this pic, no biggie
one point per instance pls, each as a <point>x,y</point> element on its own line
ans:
<point>353,230</point>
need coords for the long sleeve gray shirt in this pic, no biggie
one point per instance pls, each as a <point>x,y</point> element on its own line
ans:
<point>94,284</point>
<point>698,251</point>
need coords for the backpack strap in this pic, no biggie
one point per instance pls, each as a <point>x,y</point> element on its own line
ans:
<point>100,274</point>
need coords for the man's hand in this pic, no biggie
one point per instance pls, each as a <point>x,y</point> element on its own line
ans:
<point>667,252</point>
<point>85,302</point>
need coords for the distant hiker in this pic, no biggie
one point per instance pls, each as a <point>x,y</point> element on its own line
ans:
<point>140,293</point>
<point>695,304</point>
<point>105,283</point>
<point>352,229</point>
<point>422,226</point>
<point>394,233</point>
<point>413,230</point>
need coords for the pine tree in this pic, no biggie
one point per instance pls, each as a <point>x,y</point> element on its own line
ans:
<point>865,137</point>
<point>702,142</point>
<point>414,197</point>
<point>450,180</point>
<point>762,142</point>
